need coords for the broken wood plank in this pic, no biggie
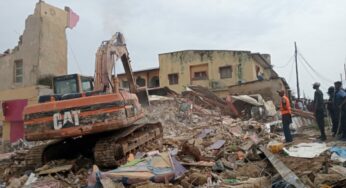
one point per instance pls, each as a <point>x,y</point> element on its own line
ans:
<point>339,169</point>
<point>302,113</point>
<point>287,174</point>
<point>200,164</point>
<point>53,170</point>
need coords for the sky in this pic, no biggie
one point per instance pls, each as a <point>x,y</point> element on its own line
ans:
<point>152,27</point>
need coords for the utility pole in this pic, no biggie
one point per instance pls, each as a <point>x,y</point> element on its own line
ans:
<point>296,60</point>
<point>345,70</point>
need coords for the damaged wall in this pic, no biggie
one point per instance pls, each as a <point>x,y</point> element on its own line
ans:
<point>242,63</point>
<point>266,88</point>
<point>41,50</point>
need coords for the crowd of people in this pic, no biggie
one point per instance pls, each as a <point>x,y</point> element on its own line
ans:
<point>335,106</point>
<point>337,110</point>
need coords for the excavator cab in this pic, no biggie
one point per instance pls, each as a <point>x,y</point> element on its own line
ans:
<point>73,83</point>
<point>69,87</point>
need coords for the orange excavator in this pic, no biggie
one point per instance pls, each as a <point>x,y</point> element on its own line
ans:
<point>92,116</point>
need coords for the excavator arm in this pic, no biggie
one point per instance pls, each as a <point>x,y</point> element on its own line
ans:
<point>107,55</point>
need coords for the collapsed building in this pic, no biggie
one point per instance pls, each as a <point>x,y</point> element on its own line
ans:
<point>203,144</point>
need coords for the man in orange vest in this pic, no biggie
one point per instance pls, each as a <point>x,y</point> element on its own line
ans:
<point>285,109</point>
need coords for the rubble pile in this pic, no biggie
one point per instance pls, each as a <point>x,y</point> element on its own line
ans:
<point>216,149</point>
<point>202,147</point>
<point>58,173</point>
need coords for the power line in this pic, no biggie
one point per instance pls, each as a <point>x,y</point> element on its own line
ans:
<point>291,72</point>
<point>287,63</point>
<point>75,59</point>
<point>320,76</point>
<point>313,78</point>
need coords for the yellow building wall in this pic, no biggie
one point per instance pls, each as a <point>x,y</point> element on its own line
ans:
<point>180,62</point>
<point>147,75</point>
<point>31,93</point>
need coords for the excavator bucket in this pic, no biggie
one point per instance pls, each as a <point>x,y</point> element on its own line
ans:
<point>143,96</point>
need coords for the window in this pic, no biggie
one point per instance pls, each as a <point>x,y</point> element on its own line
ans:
<point>140,81</point>
<point>66,86</point>
<point>86,85</point>
<point>173,79</point>
<point>200,75</point>
<point>155,81</point>
<point>125,84</point>
<point>18,71</point>
<point>225,72</point>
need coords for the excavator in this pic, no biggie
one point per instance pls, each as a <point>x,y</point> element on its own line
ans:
<point>90,116</point>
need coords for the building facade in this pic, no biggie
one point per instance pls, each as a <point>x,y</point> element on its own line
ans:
<point>148,78</point>
<point>214,69</point>
<point>41,50</point>
<point>40,54</point>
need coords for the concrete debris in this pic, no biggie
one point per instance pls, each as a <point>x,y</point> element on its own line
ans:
<point>327,179</point>
<point>202,146</point>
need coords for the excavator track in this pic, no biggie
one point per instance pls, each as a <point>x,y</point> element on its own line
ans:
<point>112,151</point>
<point>109,151</point>
<point>34,157</point>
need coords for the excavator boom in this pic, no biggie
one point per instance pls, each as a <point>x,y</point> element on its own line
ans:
<point>106,56</point>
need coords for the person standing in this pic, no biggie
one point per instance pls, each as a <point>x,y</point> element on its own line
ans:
<point>339,107</point>
<point>285,109</point>
<point>331,110</point>
<point>319,110</point>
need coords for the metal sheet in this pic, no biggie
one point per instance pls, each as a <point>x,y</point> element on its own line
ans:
<point>286,173</point>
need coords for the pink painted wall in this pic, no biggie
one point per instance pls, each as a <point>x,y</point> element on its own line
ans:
<point>17,131</point>
<point>13,109</point>
<point>13,112</point>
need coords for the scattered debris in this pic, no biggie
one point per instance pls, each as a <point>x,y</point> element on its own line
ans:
<point>307,150</point>
<point>54,170</point>
<point>201,147</point>
<point>285,172</point>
